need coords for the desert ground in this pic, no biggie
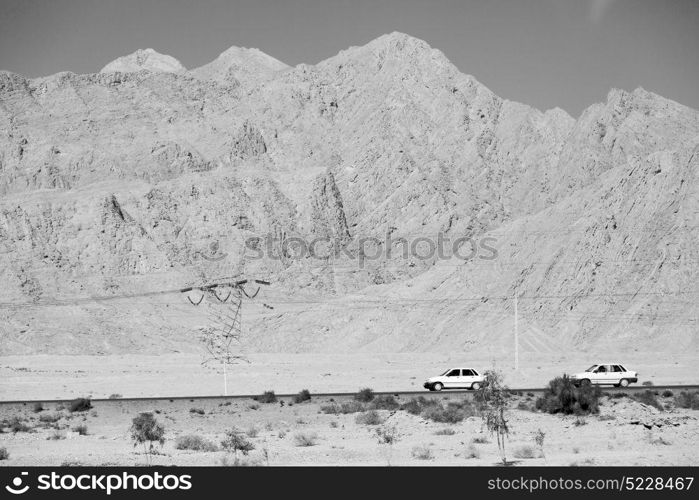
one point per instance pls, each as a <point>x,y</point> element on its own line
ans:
<point>624,432</point>
<point>317,432</point>
<point>64,377</point>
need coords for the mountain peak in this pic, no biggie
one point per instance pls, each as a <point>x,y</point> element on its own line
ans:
<point>145,59</point>
<point>239,62</point>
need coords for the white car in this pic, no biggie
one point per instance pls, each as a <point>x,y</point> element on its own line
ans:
<point>455,378</point>
<point>605,374</point>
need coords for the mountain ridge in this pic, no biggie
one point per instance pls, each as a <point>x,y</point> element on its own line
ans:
<point>117,182</point>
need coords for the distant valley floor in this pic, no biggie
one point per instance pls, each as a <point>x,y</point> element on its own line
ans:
<point>62,377</point>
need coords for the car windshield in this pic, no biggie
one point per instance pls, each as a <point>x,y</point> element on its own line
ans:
<point>443,374</point>
<point>591,368</point>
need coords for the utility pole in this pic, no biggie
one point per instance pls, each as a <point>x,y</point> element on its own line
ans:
<point>516,333</point>
<point>225,312</point>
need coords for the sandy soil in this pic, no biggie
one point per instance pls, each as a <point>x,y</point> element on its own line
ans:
<point>61,377</point>
<point>617,436</point>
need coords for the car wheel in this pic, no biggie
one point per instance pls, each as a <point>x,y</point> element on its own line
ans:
<point>437,387</point>
<point>585,382</point>
<point>623,382</point>
<point>475,386</point>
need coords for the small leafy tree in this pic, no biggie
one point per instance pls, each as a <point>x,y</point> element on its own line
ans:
<point>387,436</point>
<point>235,441</point>
<point>147,431</point>
<point>492,404</point>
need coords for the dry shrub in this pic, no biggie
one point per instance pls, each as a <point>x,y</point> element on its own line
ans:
<point>422,452</point>
<point>649,398</point>
<point>387,402</point>
<point>562,396</point>
<point>302,396</point>
<point>304,439</point>
<point>364,395</point>
<point>194,443</point>
<point>80,404</point>
<point>370,417</point>
<point>525,451</point>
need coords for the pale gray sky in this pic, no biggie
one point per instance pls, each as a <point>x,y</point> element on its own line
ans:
<point>545,53</point>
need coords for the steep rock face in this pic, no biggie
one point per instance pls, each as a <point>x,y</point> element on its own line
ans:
<point>609,267</point>
<point>327,210</point>
<point>148,177</point>
<point>249,143</point>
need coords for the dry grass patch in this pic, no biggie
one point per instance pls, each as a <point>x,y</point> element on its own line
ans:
<point>304,439</point>
<point>371,417</point>
<point>422,452</point>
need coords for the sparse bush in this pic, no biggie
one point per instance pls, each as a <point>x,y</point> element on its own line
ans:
<point>618,395</point>
<point>252,432</point>
<point>235,442</point>
<point>687,399</point>
<point>331,409</point>
<point>351,407</point>
<point>648,398</point>
<point>422,452</point>
<point>50,418</point>
<point>472,451</point>
<point>147,431</point>
<point>525,406</point>
<point>364,395</point>
<point>254,407</point>
<point>115,396</point>
<point>525,451</point>
<point>16,425</point>
<point>667,393</point>
<point>281,434</point>
<point>4,454</point>
<point>56,436</point>
<point>80,404</point>
<point>80,429</point>
<point>607,417</point>
<point>302,396</point>
<point>305,439</point>
<point>539,437</point>
<point>197,411</point>
<point>579,422</point>
<point>387,437</point>
<point>448,415</point>
<point>194,443</point>
<point>562,396</point>
<point>647,383</point>
<point>38,408</point>
<point>482,439</point>
<point>387,402</point>
<point>267,397</point>
<point>413,407</point>
<point>447,431</point>
<point>370,417</point>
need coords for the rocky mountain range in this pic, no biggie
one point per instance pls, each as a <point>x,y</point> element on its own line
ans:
<point>119,186</point>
